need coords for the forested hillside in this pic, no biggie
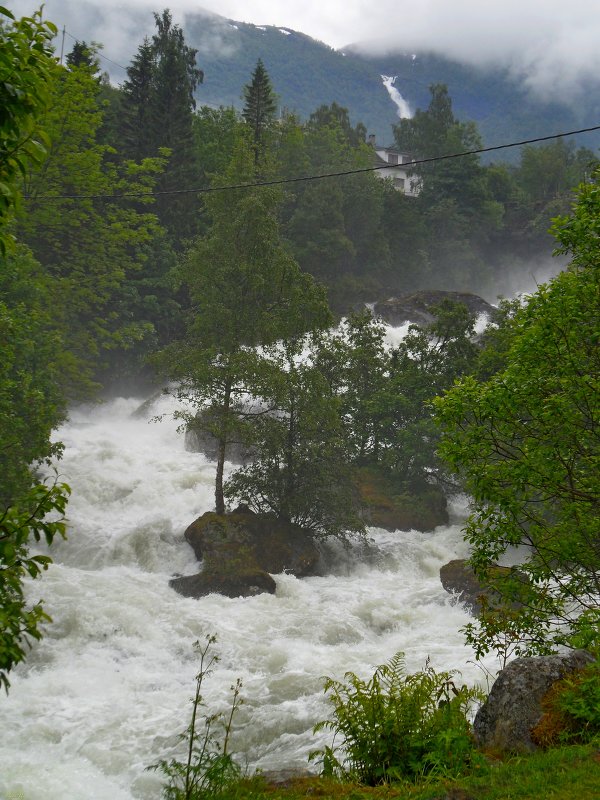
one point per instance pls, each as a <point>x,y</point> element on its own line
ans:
<point>307,73</point>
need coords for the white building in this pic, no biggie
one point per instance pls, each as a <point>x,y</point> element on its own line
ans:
<point>391,163</point>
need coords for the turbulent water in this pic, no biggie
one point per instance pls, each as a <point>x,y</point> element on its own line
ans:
<point>106,692</point>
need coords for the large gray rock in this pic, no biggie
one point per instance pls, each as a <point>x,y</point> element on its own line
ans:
<point>457,577</point>
<point>258,539</point>
<point>418,307</point>
<point>241,584</point>
<point>513,708</point>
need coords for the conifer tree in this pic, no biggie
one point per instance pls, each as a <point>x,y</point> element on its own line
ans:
<point>84,55</point>
<point>260,106</point>
<point>137,139</point>
<point>158,108</point>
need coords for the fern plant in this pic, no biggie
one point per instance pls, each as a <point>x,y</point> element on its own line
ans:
<point>209,770</point>
<point>396,726</point>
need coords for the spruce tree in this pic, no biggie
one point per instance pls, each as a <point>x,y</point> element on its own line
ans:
<point>260,106</point>
<point>137,138</point>
<point>158,109</point>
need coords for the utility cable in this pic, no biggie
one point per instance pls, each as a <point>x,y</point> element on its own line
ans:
<point>306,178</point>
<point>96,52</point>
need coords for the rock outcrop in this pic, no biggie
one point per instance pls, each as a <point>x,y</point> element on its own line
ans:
<point>382,507</point>
<point>241,550</point>
<point>244,582</point>
<point>506,719</point>
<point>457,577</point>
<point>417,307</point>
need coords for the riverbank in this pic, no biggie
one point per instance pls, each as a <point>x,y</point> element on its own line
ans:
<point>563,773</point>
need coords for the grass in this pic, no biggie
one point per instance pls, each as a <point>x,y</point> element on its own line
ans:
<point>562,773</point>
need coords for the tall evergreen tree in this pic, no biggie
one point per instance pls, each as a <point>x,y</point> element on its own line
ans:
<point>158,109</point>
<point>260,106</point>
<point>136,137</point>
<point>84,55</point>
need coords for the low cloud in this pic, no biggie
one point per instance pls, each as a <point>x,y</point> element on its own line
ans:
<point>550,45</point>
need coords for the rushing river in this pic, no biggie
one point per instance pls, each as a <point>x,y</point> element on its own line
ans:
<point>106,692</point>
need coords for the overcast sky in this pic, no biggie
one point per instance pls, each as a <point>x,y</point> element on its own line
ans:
<point>554,45</point>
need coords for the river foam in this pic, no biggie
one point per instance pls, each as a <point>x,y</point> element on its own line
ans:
<point>106,692</point>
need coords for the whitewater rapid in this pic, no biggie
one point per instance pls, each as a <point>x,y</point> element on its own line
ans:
<point>106,692</point>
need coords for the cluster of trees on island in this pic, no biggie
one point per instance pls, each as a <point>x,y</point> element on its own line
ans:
<point>121,245</point>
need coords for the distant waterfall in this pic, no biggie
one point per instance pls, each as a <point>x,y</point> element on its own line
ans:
<point>404,110</point>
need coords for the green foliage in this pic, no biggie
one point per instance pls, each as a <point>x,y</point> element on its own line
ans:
<point>25,66</point>
<point>215,132</point>
<point>91,250</point>
<point>31,354</point>
<point>209,771</point>
<point>526,442</point>
<point>388,394</point>
<point>31,357</point>
<point>459,210</point>
<point>246,292</point>
<point>397,727</point>
<point>579,701</point>
<point>18,526</point>
<point>571,710</point>
<point>362,377</point>
<point>301,471</point>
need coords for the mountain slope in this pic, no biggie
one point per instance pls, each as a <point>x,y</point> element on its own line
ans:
<point>502,107</point>
<point>305,73</point>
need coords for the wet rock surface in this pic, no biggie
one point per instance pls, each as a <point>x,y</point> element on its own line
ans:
<point>457,577</point>
<point>513,708</point>
<point>239,552</point>
<point>418,307</point>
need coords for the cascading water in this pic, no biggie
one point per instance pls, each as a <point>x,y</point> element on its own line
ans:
<point>105,693</point>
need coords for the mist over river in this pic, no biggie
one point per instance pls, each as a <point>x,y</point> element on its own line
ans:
<point>106,692</point>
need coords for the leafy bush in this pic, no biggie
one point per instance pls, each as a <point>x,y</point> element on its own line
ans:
<point>19,525</point>
<point>397,726</point>
<point>209,770</point>
<point>580,701</point>
<point>571,709</point>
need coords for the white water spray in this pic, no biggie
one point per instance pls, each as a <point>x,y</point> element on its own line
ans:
<point>106,692</point>
<point>404,110</point>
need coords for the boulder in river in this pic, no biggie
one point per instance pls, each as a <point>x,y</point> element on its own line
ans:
<point>241,550</point>
<point>457,577</point>
<point>418,307</point>
<point>243,582</point>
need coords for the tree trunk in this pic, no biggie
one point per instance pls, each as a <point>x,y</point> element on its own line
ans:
<point>225,413</point>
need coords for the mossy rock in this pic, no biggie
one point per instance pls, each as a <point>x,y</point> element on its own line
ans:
<point>457,576</point>
<point>239,552</point>
<point>383,506</point>
<point>260,539</point>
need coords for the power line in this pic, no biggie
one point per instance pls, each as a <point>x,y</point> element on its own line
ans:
<point>97,52</point>
<point>306,178</point>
